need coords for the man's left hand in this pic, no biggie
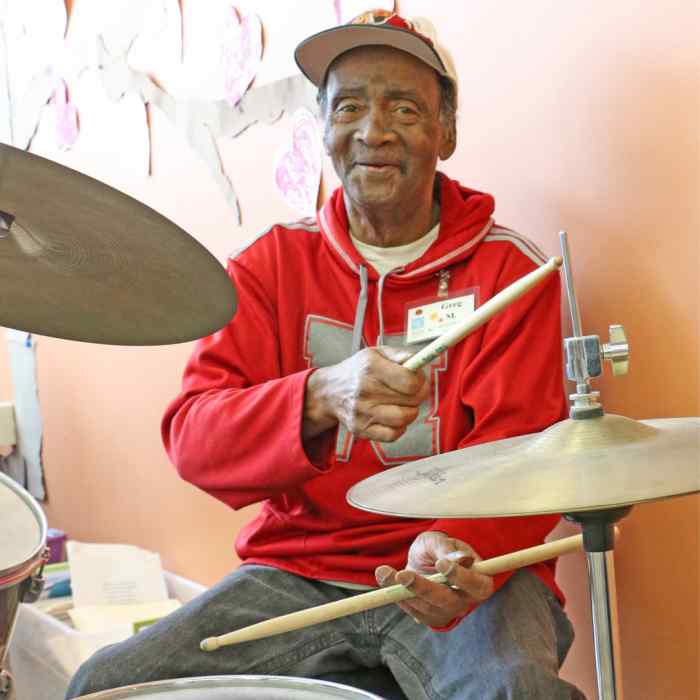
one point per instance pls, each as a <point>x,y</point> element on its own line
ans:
<point>438,604</point>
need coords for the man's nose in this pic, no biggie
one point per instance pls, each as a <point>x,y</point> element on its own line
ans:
<point>375,128</point>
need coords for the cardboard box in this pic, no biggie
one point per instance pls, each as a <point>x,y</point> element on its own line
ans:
<point>44,652</point>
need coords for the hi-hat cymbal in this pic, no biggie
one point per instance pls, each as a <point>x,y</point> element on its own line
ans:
<point>575,465</point>
<point>83,261</point>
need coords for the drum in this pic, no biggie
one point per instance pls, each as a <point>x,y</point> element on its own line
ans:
<point>22,546</point>
<point>235,688</point>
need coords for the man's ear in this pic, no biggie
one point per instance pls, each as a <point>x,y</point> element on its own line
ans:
<point>449,141</point>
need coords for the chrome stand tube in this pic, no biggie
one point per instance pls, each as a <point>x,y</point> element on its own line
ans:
<point>601,574</point>
<point>599,543</point>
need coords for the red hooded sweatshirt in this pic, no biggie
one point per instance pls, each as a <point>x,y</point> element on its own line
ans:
<point>308,299</point>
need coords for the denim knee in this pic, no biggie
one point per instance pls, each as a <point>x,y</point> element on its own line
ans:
<point>530,680</point>
<point>96,674</point>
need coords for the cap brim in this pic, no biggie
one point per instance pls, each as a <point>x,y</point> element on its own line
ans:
<point>315,54</point>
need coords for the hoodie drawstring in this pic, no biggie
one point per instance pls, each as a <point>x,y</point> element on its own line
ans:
<point>380,289</point>
<point>360,312</point>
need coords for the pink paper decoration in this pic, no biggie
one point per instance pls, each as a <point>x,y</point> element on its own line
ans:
<point>66,116</point>
<point>298,164</point>
<point>241,53</point>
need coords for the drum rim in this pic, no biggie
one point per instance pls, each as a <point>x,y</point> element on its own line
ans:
<point>22,569</point>
<point>221,681</point>
<point>11,577</point>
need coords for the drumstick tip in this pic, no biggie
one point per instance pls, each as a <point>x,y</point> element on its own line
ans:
<point>209,644</point>
<point>557,261</point>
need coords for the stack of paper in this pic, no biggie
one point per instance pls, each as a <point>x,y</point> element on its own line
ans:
<point>116,587</point>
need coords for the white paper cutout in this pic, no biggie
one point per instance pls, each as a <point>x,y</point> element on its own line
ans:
<point>148,32</point>
<point>204,121</point>
<point>144,39</point>
<point>33,34</point>
<point>298,164</point>
<point>112,95</point>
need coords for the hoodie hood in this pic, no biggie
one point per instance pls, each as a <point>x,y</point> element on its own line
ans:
<point>465,220</point>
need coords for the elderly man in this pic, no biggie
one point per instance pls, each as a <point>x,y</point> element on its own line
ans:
<point>303,395</point>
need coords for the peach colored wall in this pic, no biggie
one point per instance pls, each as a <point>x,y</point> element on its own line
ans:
<point>582,116</point>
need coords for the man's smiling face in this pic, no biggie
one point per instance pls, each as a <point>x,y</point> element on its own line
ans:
<point>383,128</point>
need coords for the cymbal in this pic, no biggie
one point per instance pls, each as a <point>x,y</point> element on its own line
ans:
<point>575,465</point>
<point>83,261</point>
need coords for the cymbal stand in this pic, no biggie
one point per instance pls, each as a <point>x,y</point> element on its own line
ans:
<point>584,359</point>
<point>598,543</point>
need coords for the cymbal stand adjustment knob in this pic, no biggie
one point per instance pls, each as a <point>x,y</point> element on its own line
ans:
<point>585,354</point>
<point>617,351</point>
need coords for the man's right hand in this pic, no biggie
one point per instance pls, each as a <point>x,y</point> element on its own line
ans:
<point>370,393</point>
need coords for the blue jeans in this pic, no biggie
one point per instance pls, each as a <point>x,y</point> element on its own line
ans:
<point>509,648</point>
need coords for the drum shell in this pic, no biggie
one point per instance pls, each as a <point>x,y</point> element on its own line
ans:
<point>235,688</point>
<point>14,578</point>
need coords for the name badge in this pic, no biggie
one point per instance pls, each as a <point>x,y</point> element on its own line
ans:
<point>432,320</point>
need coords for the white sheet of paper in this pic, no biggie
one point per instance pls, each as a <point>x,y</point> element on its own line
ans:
<point>114,574</point>
<point>119,618</point>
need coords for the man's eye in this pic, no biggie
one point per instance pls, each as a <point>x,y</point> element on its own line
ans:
<point>346,107</point>
<point>404,109</point>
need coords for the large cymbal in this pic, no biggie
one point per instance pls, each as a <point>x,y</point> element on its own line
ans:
<point>84,261</point>
<point>575,465</point>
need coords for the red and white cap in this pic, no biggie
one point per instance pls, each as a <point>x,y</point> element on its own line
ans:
<point>375,28</point>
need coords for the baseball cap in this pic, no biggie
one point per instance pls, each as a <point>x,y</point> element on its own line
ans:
<point>415,36</point>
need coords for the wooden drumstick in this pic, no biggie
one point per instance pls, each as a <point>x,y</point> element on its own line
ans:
<point>384,596</point>
<point>504,298</point>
